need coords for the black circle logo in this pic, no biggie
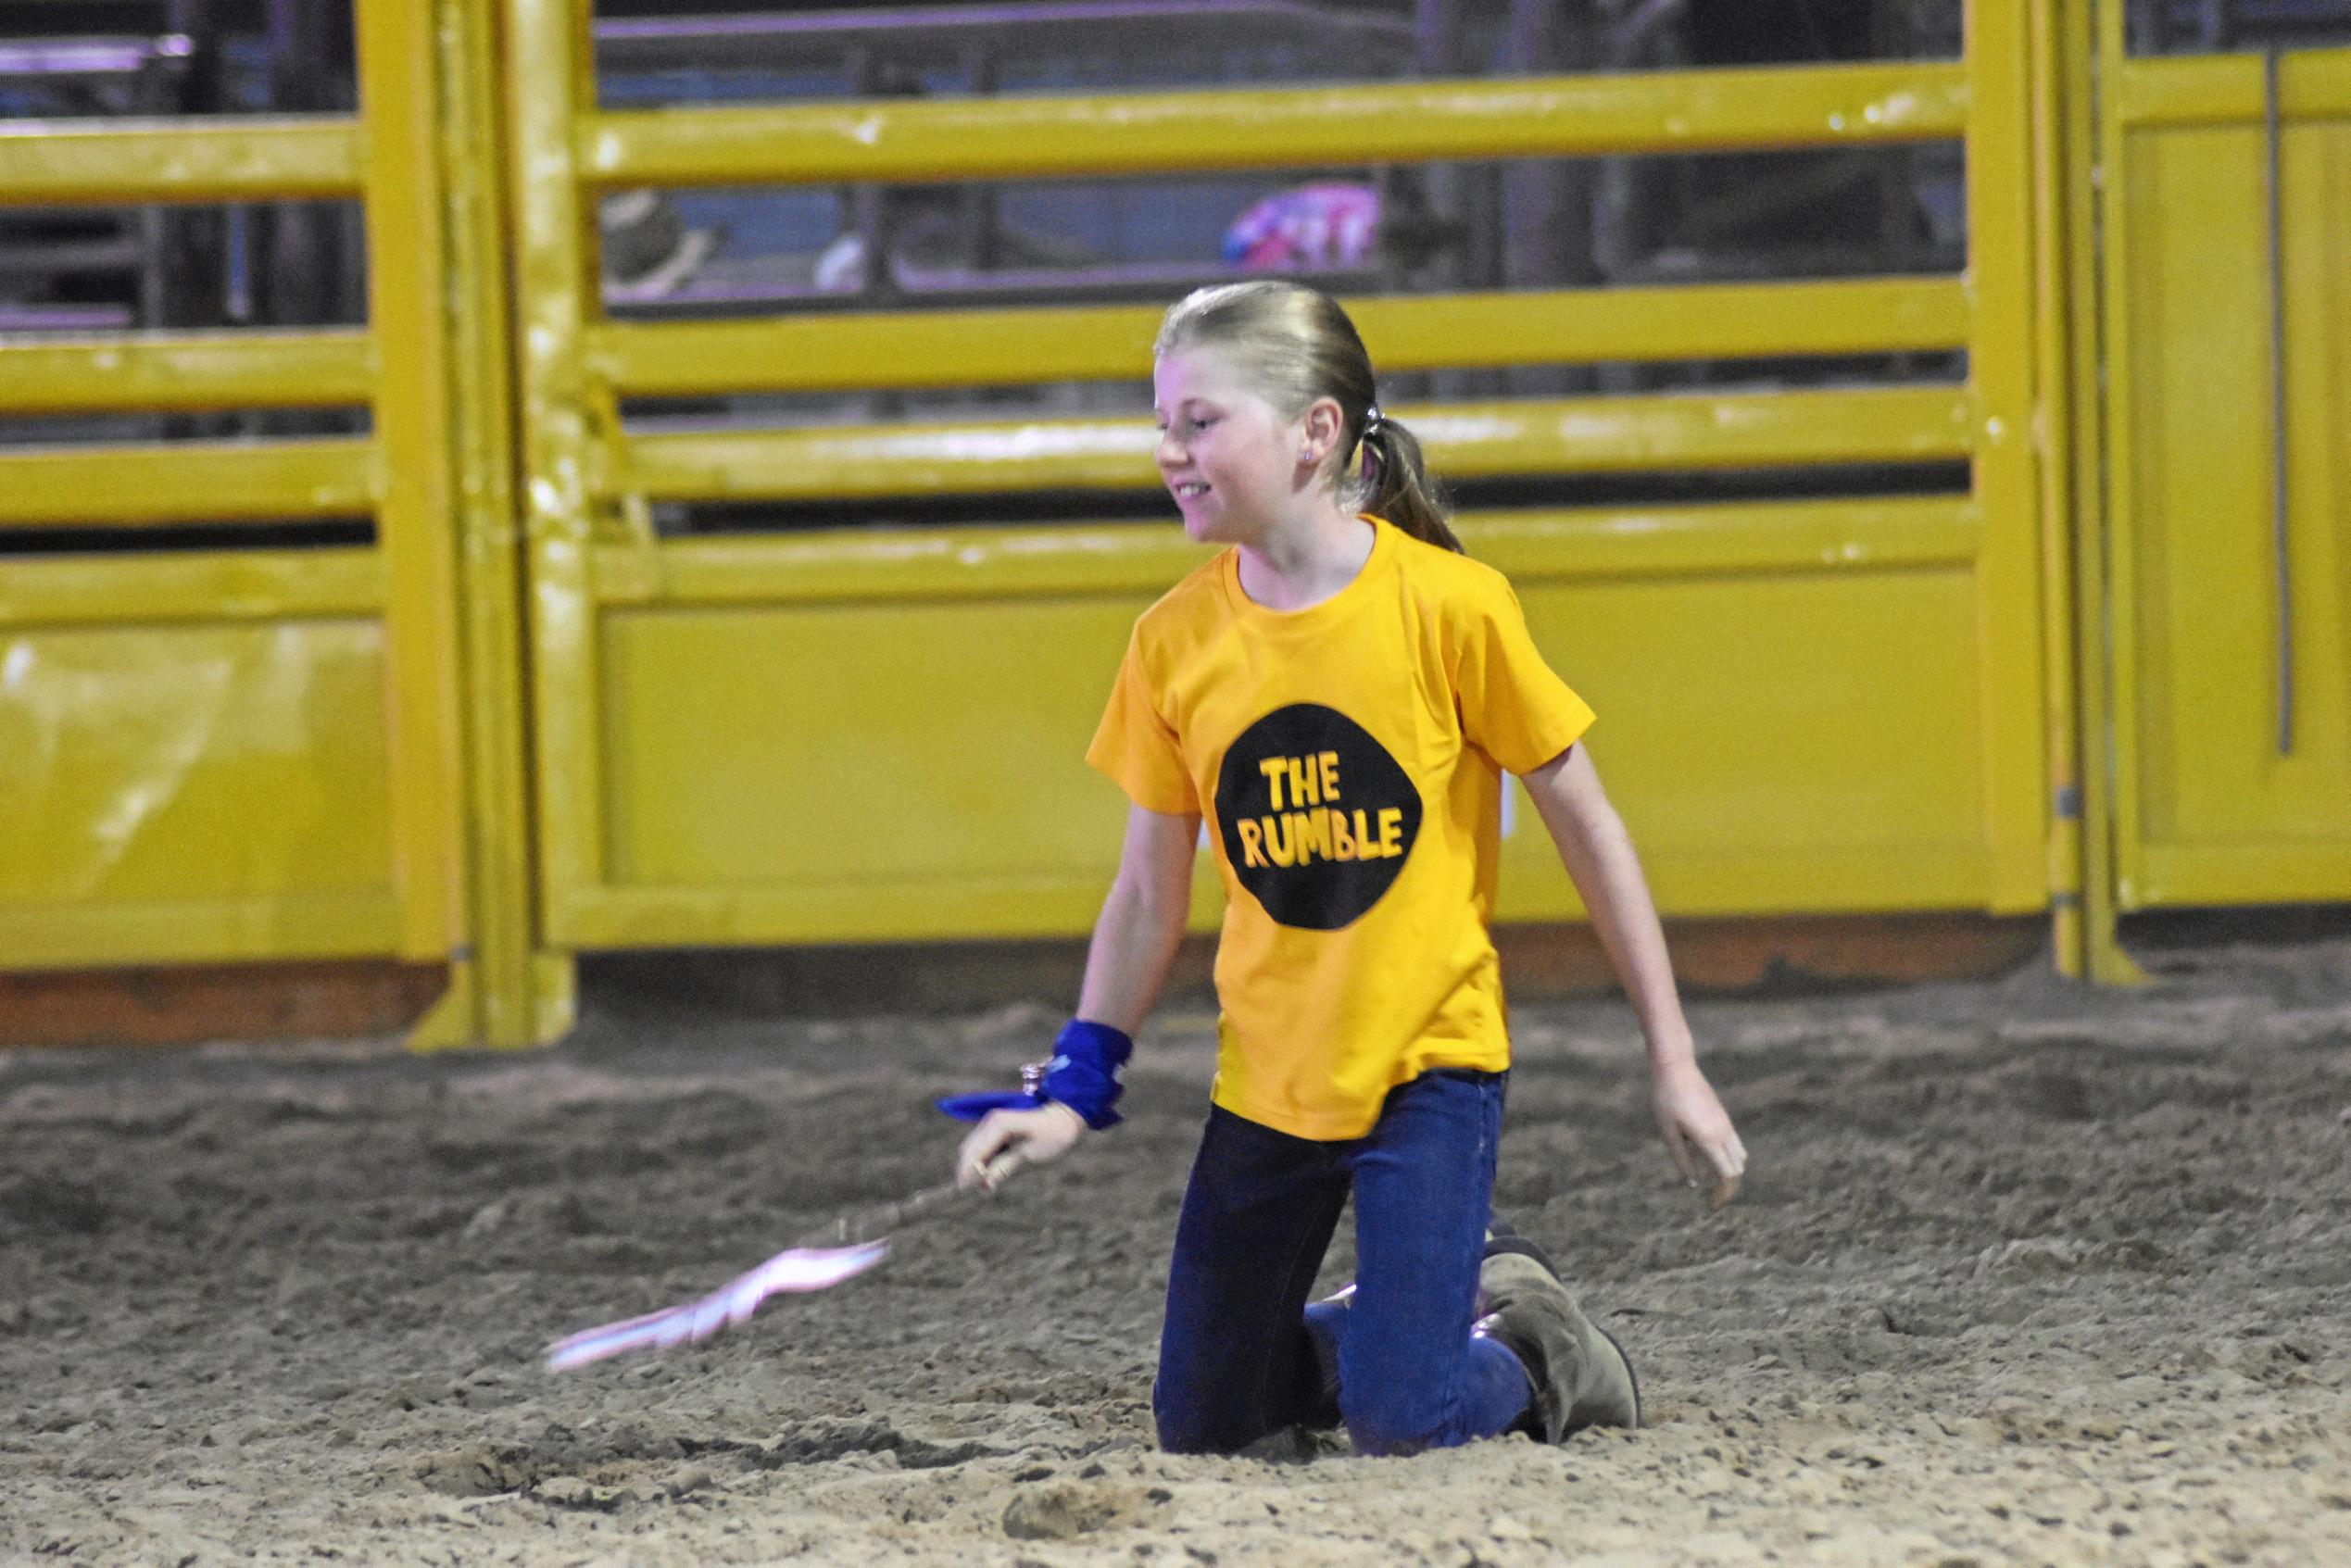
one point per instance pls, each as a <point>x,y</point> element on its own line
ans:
<point>1316,817</point>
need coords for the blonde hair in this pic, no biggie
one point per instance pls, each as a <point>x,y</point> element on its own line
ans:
<point>1296,345</point>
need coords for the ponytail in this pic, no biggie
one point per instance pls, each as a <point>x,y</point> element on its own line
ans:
<point>1396,484</point>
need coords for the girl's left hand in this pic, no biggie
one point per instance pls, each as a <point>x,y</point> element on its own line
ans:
<point>1705,1146</point>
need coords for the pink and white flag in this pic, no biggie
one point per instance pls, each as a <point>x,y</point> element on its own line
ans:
<point>798,1269</point>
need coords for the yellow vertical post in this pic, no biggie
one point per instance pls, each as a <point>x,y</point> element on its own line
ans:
<point>2116,605</point>
<point>550,80</point>
<point>2000,277</point>
<point>510,993</point>
<point>2053,236</point>
<point>413,511</point>
<point>2092,45</point>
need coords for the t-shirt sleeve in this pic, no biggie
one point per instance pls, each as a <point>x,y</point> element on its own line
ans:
<point>1138,748</point>
<point>1514,708</point>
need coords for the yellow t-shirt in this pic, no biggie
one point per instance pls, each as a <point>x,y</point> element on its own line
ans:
<point>1348,757</point>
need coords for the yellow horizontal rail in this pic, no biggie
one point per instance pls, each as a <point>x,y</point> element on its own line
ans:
<point>319,368</point>
<point>302,925</point>
<point>197,586</point>
<point>875,910</point>
<point>2315,871</point>
<point>1464,440</point>
<point>2226,89</point>
<point>1689,430</point>
<point>1891,878</point>
<point>59,163</point>
<point>925,564</point>
<point>1865,533</point>
<point>1385,122</point>
<point>895,349</point>
<point>188,482</point>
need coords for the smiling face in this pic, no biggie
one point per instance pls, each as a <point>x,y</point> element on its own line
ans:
<point>1231,460</point>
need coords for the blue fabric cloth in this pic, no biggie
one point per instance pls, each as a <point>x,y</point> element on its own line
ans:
<point>1243,1356</point>
<point>1084,1076</point>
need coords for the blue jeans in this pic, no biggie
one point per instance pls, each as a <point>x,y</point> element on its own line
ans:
<point>1242,1356</point>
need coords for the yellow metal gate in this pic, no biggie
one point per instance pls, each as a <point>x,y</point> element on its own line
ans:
<point>524,722</point>
<point>230,754</point>
<point>857,734</point>
<point>2227,228</point>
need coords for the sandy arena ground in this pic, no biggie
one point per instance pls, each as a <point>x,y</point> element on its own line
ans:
<point>2022,1273</point>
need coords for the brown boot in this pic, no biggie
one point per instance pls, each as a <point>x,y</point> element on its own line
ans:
<point>1579,1374</point>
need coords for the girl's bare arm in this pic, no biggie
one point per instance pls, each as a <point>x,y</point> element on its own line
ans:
<point>1135,941</point>
<point>1142,921</point>
<point>1599,856</point>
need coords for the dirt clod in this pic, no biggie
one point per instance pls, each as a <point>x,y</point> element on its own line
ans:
<point>1071,1507</point>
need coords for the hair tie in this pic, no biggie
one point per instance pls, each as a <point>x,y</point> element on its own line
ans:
<point>1371,460</point>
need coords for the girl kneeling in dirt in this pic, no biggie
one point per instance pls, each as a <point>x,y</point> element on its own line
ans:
<point>1342,692</point>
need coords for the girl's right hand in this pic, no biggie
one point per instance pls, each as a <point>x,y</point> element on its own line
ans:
<point>1047,1133</point>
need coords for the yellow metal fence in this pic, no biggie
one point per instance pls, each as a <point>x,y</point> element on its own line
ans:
<point>2226,223</point>
<point>217,755</point>
<point>1866,703</point>
<point>1812,706</point>
<point>146,689</point>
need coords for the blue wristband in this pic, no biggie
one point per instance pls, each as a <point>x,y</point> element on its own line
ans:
<point>1087,1058</point>
<point>1082,1075</point>
<point>970,1108</point>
